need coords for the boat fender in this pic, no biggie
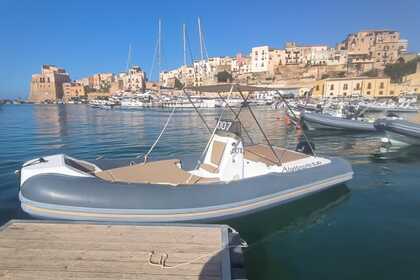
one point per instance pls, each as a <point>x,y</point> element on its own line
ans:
<point>304,147</point>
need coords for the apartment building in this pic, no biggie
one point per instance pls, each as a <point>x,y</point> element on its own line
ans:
<point>266,59</point>
<point>313,55</point>
<point>241,64</point>
<point>134,79</point>
<point>346,87</point>
<point>73,90</point>
<point>185,74</point>
<point>377,47</point>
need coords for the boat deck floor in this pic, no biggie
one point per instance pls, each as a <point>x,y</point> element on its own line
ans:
<point>263,153</point>
<point>156,172</point>
<point>169,171</point>
<point>66,250</point>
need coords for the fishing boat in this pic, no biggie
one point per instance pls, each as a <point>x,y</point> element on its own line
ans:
<point>230,179</point>
<point>314,121</point>
<point>399,132</point>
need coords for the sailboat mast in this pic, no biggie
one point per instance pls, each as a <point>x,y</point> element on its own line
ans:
<point>128,58</point>
<point>184,37</point>
<point>159,50</point>
<point>200,38</point>
<point>159,46</point>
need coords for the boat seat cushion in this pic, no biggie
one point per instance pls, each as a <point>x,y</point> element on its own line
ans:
<point>157,172</point>
<point>218,149</point>
<point>209,168</point>
<point>263,153</point>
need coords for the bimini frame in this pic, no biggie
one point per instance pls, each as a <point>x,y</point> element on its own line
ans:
<point>234,87</point>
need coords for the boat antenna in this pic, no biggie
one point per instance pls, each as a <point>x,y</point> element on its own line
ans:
<point>259,126</point>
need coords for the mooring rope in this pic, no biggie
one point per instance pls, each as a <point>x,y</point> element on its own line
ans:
<point>146,156</point>
<point>164,256</point>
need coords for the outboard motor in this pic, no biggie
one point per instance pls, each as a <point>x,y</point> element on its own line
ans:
<point>305,147</point>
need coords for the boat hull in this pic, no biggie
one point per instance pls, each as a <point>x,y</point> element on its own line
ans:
<point>315,121</point>
<point>65,197</point>
<point>400,132</point>
<point>400,139</point>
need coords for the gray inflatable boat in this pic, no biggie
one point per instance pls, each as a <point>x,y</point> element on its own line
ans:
<point>62,196</point>
<point>230,180</point>
<point>400,132</point>
<point>314,121</point>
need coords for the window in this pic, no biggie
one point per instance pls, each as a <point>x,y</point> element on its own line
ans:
<point>382,85</point>
<point>381,93</point>
<point>369,86</point>
<point>345,86</point>
<point>345,94</point>
<point>368,93</point>
<point>331,87</point>
<point>331,93</point>
<point>391,92</point>
<point>317,88</point>
<point>358,86</point>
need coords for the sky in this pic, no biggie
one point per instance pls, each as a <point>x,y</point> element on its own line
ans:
<point>87,37</point>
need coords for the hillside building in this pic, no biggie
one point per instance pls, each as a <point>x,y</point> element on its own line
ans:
<point>48,85</point>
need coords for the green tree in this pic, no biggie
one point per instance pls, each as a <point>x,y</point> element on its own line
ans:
<point>178,84</point>
<point>398,70</point>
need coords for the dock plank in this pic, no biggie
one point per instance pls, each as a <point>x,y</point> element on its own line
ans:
<point>59,250</point>
<point>47,275</point>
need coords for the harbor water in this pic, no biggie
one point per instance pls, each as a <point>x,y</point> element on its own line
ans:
<point>366,229</point>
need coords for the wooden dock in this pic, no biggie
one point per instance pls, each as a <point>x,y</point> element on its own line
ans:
<point>78,250</point>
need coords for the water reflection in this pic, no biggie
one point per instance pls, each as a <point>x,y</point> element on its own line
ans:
<point>263,230</point>
<point>402,154</point>
<point>292,216</point>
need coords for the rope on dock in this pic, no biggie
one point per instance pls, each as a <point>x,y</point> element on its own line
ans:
<point>164,256</point>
